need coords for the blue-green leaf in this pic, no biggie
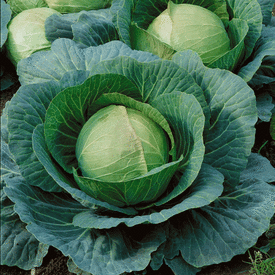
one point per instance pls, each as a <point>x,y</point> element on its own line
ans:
<point>57,26</point>
<point>225,228</point>
<point>18,246</point>
<point>89,31</point>
<point>205,189</point>
<point>266,7</point>
<point>249,11</point>
<point>179,266</point>
<point>28,110</point>
<point>237,30</point>
<point>265,106</point>
<point>265,49</point>
<point>184,114</point>
<point>100,252</point>
<point>5,18</point>
<point>66,56</point>
<point>121,11</point>
<point>233,116</point>
<point>8,166</point>
<point>258,167</point>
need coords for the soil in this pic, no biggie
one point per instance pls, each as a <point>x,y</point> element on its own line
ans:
<point>55,263</point>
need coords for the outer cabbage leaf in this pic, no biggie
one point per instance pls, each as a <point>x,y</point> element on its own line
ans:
<point>258,167</point>
<point>88,28</point>
<point>66,56</point>
<point>18,246</point>
<point>7,71</point>
<point>5,18</point>
<point>237,31</point>
<point>225,105</point>
<point>8,166</point>
<point>262,65</point>
<point>21,135</point>
<point>111,251</point>
<point>204,236</point>
<point>249,11</point>
<point>122,9</point>
<point>266,7</point>
<point>205,189</point>
<point>265,106</point>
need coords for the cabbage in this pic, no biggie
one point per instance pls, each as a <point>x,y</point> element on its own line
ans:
<point>68,6</point>
<point>186,26</point>
<point>118,144</point>
<point>211,195</point>
<point>26,33</point>
<point>18,6</point>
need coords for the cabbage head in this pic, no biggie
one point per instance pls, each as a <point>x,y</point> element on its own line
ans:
<point>69,6</point>
<point>184,130</point>
<point>20,5</point>
<point>119,144</point>
<point>186,26</point>
<point>223,33</point>
<point>26,33</point>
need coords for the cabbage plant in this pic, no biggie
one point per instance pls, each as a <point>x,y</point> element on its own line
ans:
<point>198,25</point>
<point>186,26</point>
<point>242,20</point>
<point>197,202</point>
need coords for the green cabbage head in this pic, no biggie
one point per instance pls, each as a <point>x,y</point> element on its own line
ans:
<point>119,144</point>
<point>186,26</point>
<point>119,149</point>
<point>18,6</point>
<point>68,6</point>
<point>26,33</point>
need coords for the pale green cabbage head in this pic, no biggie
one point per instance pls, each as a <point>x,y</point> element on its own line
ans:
<point>68,6</point>
<point>186,26</point>
<point>118,144</point>
<point>26,33</point>
<point>18,6</point>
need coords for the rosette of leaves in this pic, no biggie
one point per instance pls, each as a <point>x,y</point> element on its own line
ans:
<point>207,213</point>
